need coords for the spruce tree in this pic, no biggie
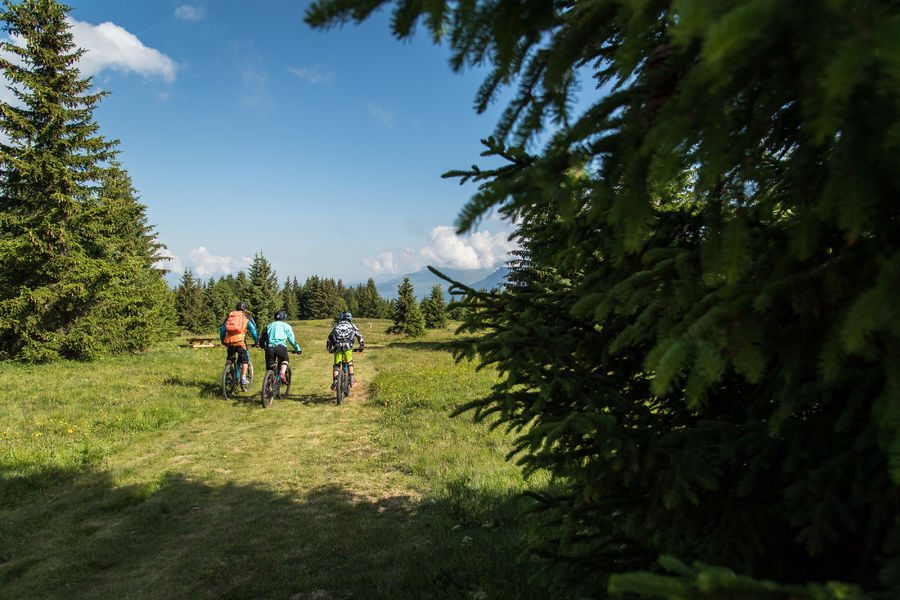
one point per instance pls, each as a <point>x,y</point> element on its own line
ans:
<point>264,295</point>
<point>77,274</point>
<point>303,311</point>
<point>191,304</point>
<point>434,309</point>
<point>317,306</point>
<point>241,287</point>
<point>289,300</point>
<point>219,301</point>
<point>702,345</point>
<point>407,316</point>
<point>369,300</point>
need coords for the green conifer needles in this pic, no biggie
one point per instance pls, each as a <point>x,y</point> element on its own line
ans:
<point>701,340</point>
<point>77,274</point>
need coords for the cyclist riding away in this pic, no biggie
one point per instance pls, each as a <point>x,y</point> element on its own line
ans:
<point>340,342</point>
<point>277,333</point>
<point>233,332</point>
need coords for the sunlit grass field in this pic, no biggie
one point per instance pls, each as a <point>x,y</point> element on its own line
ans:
<point>131,477</point>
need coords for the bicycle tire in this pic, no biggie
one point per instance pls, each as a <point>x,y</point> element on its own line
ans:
<point>287,386</point>
<point>228,382</point>
<point>249,376</point>
<point>268,389</point>
<point>339,388</point>
<point>346,381</point>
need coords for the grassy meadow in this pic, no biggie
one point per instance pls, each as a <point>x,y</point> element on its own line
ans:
<point>131,477</point>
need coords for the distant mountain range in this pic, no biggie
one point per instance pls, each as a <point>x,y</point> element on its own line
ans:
<point>423,280</point>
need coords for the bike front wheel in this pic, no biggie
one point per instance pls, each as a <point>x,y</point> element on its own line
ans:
<point>269,389</point>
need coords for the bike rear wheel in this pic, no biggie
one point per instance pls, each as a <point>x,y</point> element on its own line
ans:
<point>285,388</point>
<point>249,377</point>
<point>228,381</point>
<point>269,389</point>
<point>339,388</point>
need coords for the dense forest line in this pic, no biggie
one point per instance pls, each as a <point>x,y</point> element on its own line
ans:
<point>201,306</point>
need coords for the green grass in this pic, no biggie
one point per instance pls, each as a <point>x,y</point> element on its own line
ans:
<point>131,477</point>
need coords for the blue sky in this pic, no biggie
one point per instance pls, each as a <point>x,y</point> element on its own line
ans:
<point>244,130</point>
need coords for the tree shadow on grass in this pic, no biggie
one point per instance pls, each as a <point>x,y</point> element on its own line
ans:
<point>213,389</point>
<point>445,346</point>
<point>78,534</point>
<point>205,387</point>
<point>316,398</point>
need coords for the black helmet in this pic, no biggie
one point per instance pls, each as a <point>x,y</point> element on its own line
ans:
<point>242,306</point>
<point>280,315</point>
<point>347,315</point>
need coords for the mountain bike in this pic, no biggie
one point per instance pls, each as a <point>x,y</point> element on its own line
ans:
<point>342,383</point>
<point>273,387</point>
<point>231,377</point>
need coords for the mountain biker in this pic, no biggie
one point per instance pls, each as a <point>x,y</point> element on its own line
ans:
<point>233,332</point>
<point>277,333</point>
<point>340,342</point>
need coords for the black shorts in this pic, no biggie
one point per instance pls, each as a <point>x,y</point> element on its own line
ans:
<point>272,352</point>
<point>243,355</point>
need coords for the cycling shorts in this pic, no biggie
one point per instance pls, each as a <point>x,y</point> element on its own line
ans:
<point>276,352</point>
<point>243,355</point>
<point>343,355</point>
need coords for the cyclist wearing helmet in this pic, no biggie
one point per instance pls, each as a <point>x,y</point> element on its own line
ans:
<point>233,332</point>
<point>277,333</point>
<point>340,342</point>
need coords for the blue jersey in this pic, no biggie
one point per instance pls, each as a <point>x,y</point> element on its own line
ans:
<point>280,332</point>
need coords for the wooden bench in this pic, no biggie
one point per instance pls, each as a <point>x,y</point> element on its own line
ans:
<point>203,342</point>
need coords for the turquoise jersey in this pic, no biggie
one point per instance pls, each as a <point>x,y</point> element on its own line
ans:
<point>280,332</point>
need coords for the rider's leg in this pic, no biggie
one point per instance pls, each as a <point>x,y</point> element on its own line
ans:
<point>280,358</point>
<point>336,368</point>
<point>350,372</point>
<point>244,358</point>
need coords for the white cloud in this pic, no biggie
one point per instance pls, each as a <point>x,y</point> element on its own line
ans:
<point>383,263</point>
<point>109,46</point>
<point>169,261</point>
<point>203,264</point>
<point>480,250</point>
<point>188,12</point>
<point>313,75</point>
<point>381,114</point>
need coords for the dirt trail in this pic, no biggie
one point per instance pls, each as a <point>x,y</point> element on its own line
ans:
<point>299,443</point>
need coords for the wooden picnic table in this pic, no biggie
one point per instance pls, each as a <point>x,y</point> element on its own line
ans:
<point>203,342</point>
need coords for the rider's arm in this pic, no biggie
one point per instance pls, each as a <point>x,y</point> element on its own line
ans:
<point>291,339</point>
<point>222,332</point>
<point>252,327</point>
<point>359,336</point>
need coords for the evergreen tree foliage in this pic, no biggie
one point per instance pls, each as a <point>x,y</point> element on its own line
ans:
<point>191,304</point>
<point>434,309</point>
<point>702,342</point>
<point>407,315</point>
<point>241,287</point>
<point>263,294</point>
<point>370,303</point>
<point>220,300</point>
<point>289,300</point>
<point>77,258</point>
<point>316,300</point>
<point>334,299</point>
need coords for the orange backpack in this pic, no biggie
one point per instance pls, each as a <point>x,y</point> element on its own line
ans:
<point>235,327</point>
